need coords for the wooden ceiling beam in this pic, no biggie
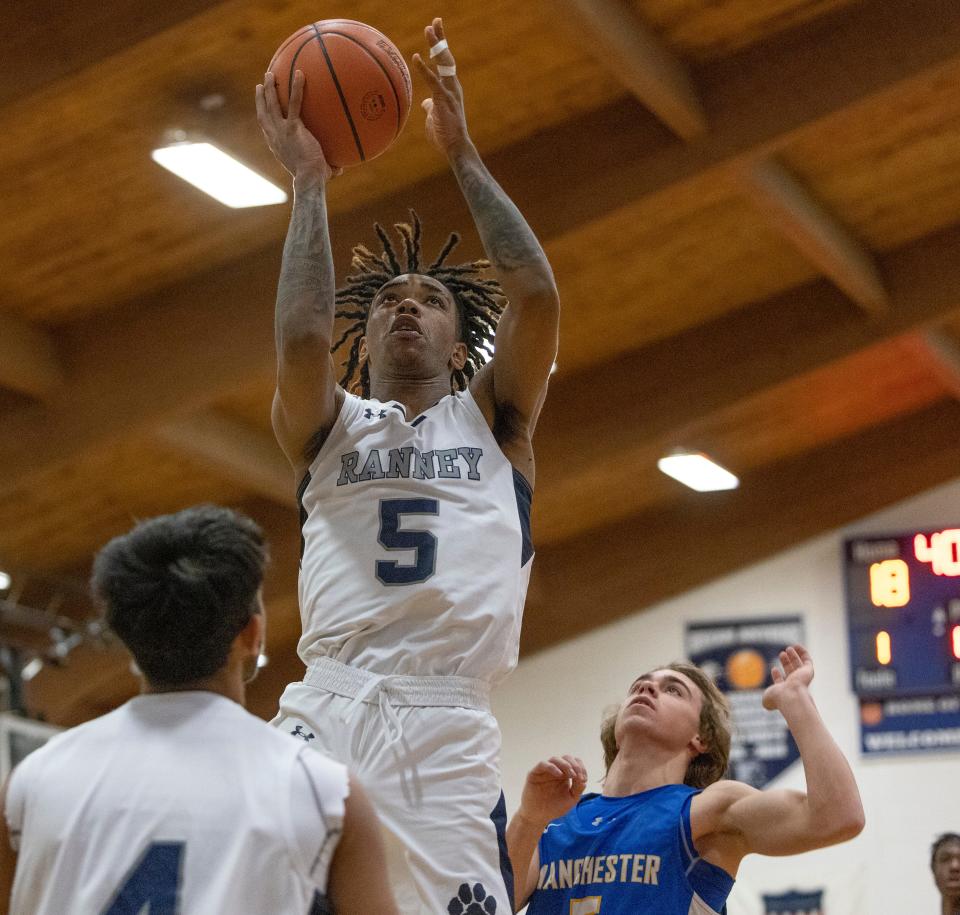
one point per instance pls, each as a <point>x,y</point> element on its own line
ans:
<point>152,367</point>
<point>235,450</point>
<point>159,359</point>
<point>622,43</point>
<point>829,66</point>
<point>131,373</point>
<point>607,573</point>
<point>940,351</point>
<point>29,361</point>
<point>73,36</point>
<point>678,381</point>
<point>815,232</point>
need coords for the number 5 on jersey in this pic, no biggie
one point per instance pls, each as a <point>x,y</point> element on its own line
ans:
<point>423,543</point>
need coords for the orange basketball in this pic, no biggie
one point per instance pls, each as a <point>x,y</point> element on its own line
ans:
<point>356,94</point>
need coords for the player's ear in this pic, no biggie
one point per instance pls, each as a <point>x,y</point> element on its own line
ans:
<point>698,745</point>
<point>364,354</point>
<point>459,358</point>
<point>253,635</point>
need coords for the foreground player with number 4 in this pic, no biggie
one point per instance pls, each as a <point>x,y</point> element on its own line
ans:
<point>415,497</point>
<point>667,835</point>
<point>180,802</point>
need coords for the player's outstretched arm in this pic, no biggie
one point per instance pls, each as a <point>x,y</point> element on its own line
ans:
<point>305,400</point>
<point>552,788</point>
<point>526,343</point>
<point>782,822</point>
<point>358,873</point>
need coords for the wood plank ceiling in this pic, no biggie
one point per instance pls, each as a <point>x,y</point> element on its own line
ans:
<point>752,208</point>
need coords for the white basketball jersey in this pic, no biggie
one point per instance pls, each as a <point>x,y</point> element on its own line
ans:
<point>176,804</point>
<point>416,546</point>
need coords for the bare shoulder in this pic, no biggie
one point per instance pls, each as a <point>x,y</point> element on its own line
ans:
<point>714,842</point>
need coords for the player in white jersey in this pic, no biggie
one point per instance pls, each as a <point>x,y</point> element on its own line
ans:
<point>180,802</point>
<point>415,500</point>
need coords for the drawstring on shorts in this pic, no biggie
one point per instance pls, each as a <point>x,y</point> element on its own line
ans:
<point>392,691</point>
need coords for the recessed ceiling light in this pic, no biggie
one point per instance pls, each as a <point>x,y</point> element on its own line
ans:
<point>5,581</point>
<point>218,174</point>
<point>262,660</point>
<point>698,472</point>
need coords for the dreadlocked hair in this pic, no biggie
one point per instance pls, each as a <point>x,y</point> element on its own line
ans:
<point>480,301</point>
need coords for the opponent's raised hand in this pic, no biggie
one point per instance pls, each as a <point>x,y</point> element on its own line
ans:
<point>297,150</point>
<point>446,122</point>
<point>552,788</point>
<point>796,676</point>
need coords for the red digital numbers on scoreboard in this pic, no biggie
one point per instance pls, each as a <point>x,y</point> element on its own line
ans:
<point>942,551</point>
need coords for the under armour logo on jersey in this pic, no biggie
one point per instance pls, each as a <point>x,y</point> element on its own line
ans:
<point>299,732</point>
<point>370,414</point>
<point>472,900</point>
<point>597,821</point>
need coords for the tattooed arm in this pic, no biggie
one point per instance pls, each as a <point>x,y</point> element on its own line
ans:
<point>307,396</point>
<point>526,343</point>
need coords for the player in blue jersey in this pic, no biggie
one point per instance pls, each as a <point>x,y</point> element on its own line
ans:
<point>667,834</point>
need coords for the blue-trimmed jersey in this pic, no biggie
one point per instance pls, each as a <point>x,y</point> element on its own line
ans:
<point>627,856</point>
<point>416,543</point>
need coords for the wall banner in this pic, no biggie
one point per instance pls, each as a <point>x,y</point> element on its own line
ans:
<point>738,655</point>
<point>911,724</point>
<point>794,903</point>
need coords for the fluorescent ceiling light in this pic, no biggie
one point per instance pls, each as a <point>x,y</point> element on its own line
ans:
<point>218,174</point>
<point>31,669</point>
<point>698,472</point>
<point>5,581</point>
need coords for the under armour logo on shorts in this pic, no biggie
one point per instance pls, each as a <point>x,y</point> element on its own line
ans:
<point>299,732</point>
<point>472,900</point>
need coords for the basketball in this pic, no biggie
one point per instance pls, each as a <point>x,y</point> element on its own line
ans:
<point>357,91</point>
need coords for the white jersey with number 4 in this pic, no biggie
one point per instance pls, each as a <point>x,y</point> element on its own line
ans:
<point>416,544</point>
<point>175,804</point>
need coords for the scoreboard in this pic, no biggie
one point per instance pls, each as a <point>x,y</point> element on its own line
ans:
<point>903,611</point>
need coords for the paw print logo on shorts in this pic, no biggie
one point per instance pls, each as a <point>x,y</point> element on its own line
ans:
<point>472,901</point>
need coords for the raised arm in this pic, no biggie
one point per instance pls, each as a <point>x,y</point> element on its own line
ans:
<point>738,819</point>
<point>526,341</point>
<point>305,402</point>
<point>552,789</point>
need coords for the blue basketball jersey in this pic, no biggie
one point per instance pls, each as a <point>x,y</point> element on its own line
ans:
<point>627,856</point>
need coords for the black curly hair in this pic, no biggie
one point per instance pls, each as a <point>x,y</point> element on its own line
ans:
<point>480,301</point>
